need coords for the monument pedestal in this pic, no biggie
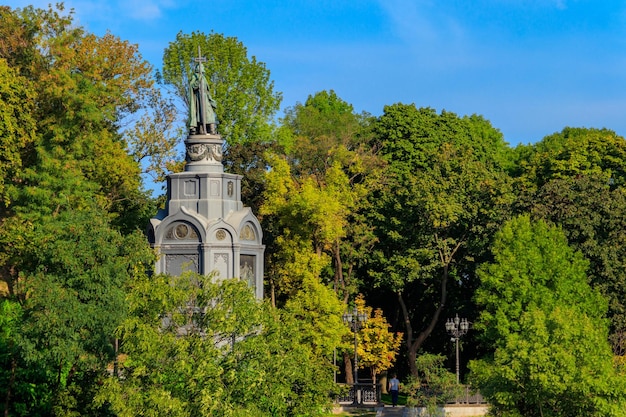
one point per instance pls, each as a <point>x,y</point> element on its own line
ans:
<point>204,227</point>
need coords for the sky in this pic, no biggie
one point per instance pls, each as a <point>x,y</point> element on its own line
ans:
<point>530,67</point>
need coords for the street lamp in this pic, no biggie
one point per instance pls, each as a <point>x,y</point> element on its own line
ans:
<point>457,328</point>
<point>355,320</point>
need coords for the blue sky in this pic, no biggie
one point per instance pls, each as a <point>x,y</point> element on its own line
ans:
<point>530,67</point>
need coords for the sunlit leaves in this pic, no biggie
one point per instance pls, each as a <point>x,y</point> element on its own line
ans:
<point>546,326</point>
<point>176,360</point>
<point>378,347</point>
<point>17,126</point>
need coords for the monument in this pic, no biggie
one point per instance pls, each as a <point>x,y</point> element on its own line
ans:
<point>204,227</point>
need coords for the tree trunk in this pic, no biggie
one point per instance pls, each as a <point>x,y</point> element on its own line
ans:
<point>347,362</point>
<point>413,345</point>
<point>340,284</point>
<point>383,382</point>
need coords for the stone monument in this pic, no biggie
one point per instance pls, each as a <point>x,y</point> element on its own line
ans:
<point>204,227</point>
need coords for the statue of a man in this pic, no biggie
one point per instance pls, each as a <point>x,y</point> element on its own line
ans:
<point>202,118</point>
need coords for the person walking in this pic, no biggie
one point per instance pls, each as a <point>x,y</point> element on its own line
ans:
<point>394,388</point>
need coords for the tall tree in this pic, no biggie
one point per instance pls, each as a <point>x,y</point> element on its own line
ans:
<point>545,325</point>
<point>73,202</point>
<point>575,179</point>
<point>445,194</point>
<point>327,151</point>
<point>241,85</point>
<point>89,93</point>
<point>571,152</point>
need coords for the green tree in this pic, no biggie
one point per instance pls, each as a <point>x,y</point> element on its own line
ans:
<point>94,98</point>
<point>17,126</point>
<point>591,213</point>
<point>433,386</point>
<point>70,293</point>
<point>551,356</point>
<point>571,152</point>
<point>329,167</point>
<point>575,179</point>
<point>446,192</point>
<point>73,202</point>
<point>328,148</point>
<point>318,312</point>
<point>241,85</point>
<point>191,346</point>
<point>310,217</point>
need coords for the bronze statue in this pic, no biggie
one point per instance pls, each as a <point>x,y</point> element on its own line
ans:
<point>202,118</point>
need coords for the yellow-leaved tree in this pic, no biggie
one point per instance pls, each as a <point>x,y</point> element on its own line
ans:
<point>378,347</point>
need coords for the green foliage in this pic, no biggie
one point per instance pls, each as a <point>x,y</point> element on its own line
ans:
<point>445,195</point>
<point>16,126</point>
<point>591,213</point>
<point>240,85</point>
<point>88,93</point>
<point>72,200</point>
<point>318,312</point>
<point>433,386</point>
<point>70,293</point>
<point>575,179</point>
<point>571,152</point>
<point>316,190</point>
<point>310,217</point>
<point>545,323</point>
<point>194,347</point>
<point>411,135</point>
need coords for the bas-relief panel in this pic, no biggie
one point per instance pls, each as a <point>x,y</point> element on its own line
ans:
<point>190,188</point>
<point>247,269</point>
<point>215,188</point>
<point>247,233</point>
<point>176,264</point>
<point>220,264</point>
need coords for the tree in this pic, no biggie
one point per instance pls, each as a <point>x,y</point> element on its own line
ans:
<point>327,169</point>
<point>95,98</point>
<point>575,179</point>
<point>311,217</point>
<point>73,202</point>
<point>16,127</point>
<point>591,213</point>
<point>377,347</point>
<point>545,325</point>
<point>445,194</point>
<point>70,294</point>
<point>220,352</point>
<point>433,387</point>
<point>571,152</point>
<point>318,311</point>
<point>240,85</point>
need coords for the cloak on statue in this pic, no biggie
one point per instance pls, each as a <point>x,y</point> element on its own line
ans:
<point>202,118</point>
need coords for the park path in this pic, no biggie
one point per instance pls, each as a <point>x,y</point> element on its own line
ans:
<point>390,412</point>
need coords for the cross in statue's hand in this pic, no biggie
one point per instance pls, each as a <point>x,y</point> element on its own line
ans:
<point>200,58</point>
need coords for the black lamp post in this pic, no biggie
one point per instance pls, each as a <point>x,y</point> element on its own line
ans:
<point>355,320</point>
<point>457,328</point>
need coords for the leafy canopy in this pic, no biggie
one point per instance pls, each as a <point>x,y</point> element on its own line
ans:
<point>545,323</point>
